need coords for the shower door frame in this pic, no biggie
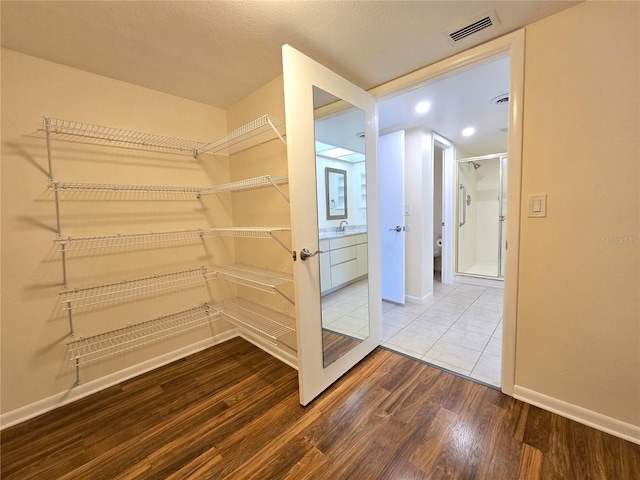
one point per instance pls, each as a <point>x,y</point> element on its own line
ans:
<point>502,158</point>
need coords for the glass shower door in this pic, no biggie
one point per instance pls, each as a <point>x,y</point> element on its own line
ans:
<point>481,216</point>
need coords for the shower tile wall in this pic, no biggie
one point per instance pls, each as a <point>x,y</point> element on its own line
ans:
<point>459,329</point>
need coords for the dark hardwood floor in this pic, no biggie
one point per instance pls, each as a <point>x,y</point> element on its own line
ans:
<point>232,412</point>
<point>335,345</point>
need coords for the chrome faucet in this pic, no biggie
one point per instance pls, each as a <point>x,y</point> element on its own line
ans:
<point>341,227</point>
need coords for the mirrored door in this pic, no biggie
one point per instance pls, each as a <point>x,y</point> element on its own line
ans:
<point>331,144</point>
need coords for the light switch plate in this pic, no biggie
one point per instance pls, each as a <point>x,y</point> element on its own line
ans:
<point>407,209</point>
<point>538,206</point>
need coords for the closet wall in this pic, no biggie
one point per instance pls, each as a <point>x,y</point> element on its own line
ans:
<point>264,207</point>
<point>36,369</point>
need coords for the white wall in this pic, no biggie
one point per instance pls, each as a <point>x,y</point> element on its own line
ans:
<point>578,316</point>
<point>419,195</point>
<point>356,215</point>
<point>35,363</point>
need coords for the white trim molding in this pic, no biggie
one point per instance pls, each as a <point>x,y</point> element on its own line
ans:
<point>615,427</point>
<point>48,404</point>
<point>418,300</point>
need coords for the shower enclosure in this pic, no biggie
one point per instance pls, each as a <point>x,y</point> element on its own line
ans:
<point>482,207</point>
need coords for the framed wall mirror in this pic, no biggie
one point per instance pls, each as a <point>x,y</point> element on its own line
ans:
<point>335,181</point>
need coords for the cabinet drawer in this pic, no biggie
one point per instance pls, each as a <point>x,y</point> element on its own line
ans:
<point>342,255</point>
<point>325,269</point>
<point>342,242</point>
<point>343,273</point>
<point>361,238</point>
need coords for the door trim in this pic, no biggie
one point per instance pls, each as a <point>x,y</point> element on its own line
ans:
<point>514,45</point>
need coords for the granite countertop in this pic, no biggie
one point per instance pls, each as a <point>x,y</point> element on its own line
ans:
<point>327,233</point>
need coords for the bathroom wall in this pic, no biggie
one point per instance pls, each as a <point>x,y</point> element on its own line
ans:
<point>34,359</point>
<point>356,210</point>
<point>578,328</point>
<point>419,195</point>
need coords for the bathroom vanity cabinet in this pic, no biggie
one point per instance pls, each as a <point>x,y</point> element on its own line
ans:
<point>343,260</point>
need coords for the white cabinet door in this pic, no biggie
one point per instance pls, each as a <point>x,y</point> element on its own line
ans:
<point>302,77</point>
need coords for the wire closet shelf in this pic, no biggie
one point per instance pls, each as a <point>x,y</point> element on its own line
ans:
<point>258,320</point>
<point>113,292</point>
<point>74,244</point>
<point>89,349</point>
<point>257,132</point>
<point>242,185</point>
<point>263,280</point>
<point>101,134</point>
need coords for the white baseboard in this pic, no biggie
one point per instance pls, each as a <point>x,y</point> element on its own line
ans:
<point>593,419</point>
<point>418,300</point>
<point>285,357</point>
<point>76,393</point>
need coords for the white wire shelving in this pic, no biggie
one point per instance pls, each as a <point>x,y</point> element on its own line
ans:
<point>123,187</point>
<point>89,349</point>
<point>258,320</point>
<point>71,244</point>
<point>257,132</point>
<point>250,184</point>
<point>90,296</point>
<point>267,281</point>
<point>239,186</point>
<point>113,136</point>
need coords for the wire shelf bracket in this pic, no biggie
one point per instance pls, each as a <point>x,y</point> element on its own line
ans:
<point>89,349</point>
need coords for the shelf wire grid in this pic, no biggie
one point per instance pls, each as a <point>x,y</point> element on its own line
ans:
<point>70,244</point>
<point>90,296</point>
<point>114,135</point>
<point>263,280</point>
<point>257,319</point>
<point>96,347</point>
<point>247,184</point>
<point>258,131</point>
<point>124,188</point>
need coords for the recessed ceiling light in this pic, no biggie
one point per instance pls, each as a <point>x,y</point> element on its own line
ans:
<point>423,107</point>
<point>467,132</point>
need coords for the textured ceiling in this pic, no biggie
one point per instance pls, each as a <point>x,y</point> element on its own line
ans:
<point>217,52</point>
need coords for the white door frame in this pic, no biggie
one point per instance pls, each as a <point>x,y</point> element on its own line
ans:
<point>512,44</point>
<point>448,207</point>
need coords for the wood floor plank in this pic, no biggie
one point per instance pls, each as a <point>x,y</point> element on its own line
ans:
<point>232,412</point>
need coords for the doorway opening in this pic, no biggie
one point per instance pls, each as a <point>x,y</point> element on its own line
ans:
<point>457,323</point>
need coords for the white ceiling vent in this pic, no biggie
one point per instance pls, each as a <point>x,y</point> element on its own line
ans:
<point>486,20</point>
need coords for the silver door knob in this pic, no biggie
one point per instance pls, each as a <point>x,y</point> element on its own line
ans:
<point>305,253</point>
<point>397,229</point>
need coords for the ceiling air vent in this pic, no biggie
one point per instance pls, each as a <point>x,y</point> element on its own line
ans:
<point>484,21</point>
